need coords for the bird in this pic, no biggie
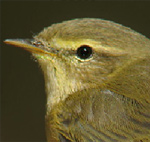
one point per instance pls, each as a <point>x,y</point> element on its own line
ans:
<point>97,80</point>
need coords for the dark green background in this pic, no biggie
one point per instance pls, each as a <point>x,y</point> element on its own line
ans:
<point>22,85</point>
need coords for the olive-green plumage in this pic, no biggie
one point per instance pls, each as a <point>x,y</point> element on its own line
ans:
<point>104,97</point>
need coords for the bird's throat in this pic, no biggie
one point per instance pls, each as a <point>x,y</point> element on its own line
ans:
<point>57,84</point>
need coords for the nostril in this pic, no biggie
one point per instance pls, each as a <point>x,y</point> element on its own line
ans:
<point>37,43</point>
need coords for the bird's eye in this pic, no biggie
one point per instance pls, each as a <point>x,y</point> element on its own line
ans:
<point>84,52</point>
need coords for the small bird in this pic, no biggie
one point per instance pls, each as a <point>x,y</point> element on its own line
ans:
<point>97,78</point>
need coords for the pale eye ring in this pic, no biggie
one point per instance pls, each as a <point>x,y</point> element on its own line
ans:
<point>84,52</point>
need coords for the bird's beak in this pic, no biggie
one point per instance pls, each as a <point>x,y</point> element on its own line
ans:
<point>28,45</point>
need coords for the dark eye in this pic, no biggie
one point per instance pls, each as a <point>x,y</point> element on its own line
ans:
<point>84,52</point>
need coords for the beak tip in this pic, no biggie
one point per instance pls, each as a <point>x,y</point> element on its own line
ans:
<point>14,42</point>
<point>6,40</point>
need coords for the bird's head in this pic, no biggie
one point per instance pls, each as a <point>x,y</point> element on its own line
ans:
<point>81,53</point>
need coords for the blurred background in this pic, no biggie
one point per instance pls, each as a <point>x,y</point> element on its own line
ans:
<point>23,97</point>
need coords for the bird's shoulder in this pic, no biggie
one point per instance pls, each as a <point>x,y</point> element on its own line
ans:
<point>98,114</point>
